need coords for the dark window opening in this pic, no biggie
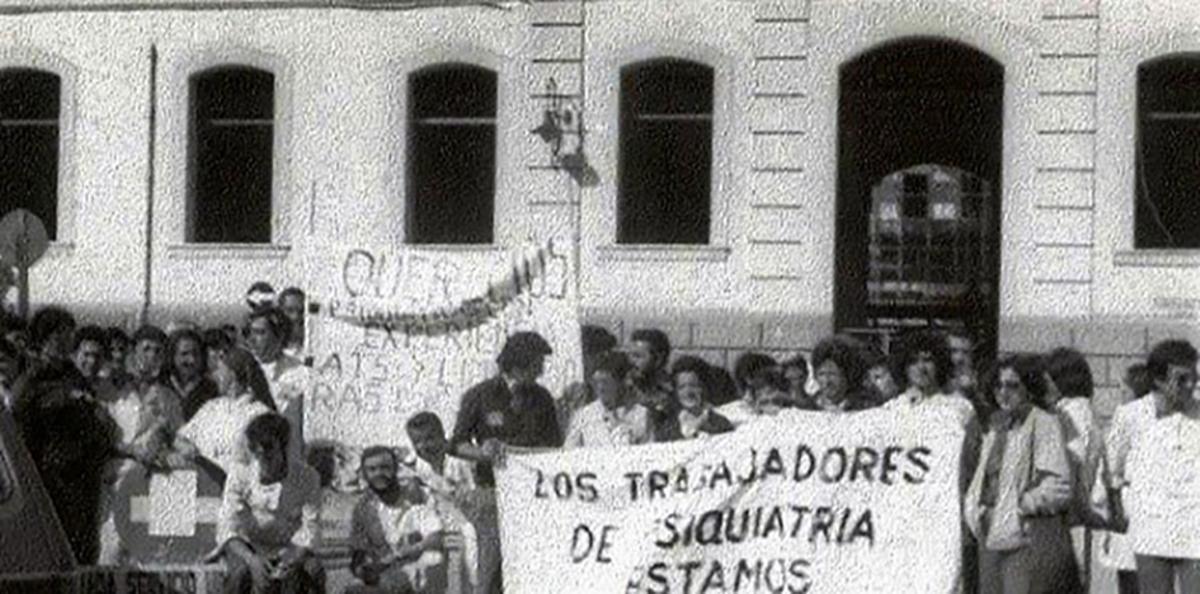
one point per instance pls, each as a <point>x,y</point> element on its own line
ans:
<point>232,156</point>
<point>665,163</point>
<point>1167,203</point>
<point>451,155</point>
<point>29,134</point>
<point>920,124</point>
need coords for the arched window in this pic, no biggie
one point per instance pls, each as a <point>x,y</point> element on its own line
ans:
<point>451,154</point>
<point>665,167</point>
<point>232,155</point>
<point>29,132</point>
<point>1167,205</point>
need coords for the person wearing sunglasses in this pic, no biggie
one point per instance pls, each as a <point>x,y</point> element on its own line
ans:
<point>1016,504</point>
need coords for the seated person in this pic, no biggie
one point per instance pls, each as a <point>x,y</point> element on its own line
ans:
<point>449,481</point>
<point>692,381</point>
<point>395,536</point>
<point>216,433</point>
<point>270,517</point>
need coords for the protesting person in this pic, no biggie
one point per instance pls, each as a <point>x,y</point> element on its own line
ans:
<point>923,361</point>
<point>187,371</point>
<point>510,409</point>
<point>1153,454</point>
<point>51,331</point>
<point>1069,391</point>
<point>882,383</point>
<point>449,482</point>
<point>266,331</point>
<point>840,369</point>
<point>692,380</point>
<point>217,430</point>
<point>615,418</point>
<point>1116,552</point>
<point>795,371</point>
<point>593,341</point>
<point>396,538</point>
<point>89,354</point>
<point>964,373</point>
<point>116,368</point>
<point>147,411</point>
<point>70,439</point>
<point>1017,501</point>
<point>269,522</point>
<point>650,350</point>
<point>291,304</point>
<point>763,387</point>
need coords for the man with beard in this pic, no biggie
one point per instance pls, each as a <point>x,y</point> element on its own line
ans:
<point>187,371</point>
<point>393,533</point>
<point>650,350</point>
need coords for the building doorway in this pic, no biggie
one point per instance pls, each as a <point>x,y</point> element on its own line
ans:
<point>920,145</point>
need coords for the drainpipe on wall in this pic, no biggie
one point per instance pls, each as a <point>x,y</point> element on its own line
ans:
<point>148,261</point>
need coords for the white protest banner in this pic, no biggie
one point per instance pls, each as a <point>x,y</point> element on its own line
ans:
<point>800,502</point>
<point>403,331</point>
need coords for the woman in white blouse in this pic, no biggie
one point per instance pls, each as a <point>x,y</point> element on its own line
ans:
<point>215,433</point>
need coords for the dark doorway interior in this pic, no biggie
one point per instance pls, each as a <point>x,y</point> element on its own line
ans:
<point>913,112</point>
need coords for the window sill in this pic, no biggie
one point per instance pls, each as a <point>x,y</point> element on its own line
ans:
<point>455,248</point>
<point>228,251</point>
<point>1182,258</point>
<point>663,253</point>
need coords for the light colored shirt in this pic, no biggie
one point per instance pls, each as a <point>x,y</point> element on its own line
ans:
<point>271,517</point>
<point>1033,466</point>
<point>1155,460</point>
<point>456,479</point>
<point>218,429</point>
<point>287,378</point>
<point>912,398</point>
<point>595,425</point>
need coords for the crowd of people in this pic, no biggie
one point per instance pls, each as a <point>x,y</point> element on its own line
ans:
<point>1039,475</point>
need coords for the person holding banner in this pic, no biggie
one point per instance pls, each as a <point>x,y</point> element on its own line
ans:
<point>763,386</point>
<point>615,418</point>
<point>692,380</point>
<point>511,409</point>
<point>840,369</point>
<point>650,350</point>
<point>1154,463</point>
<point>1017,501</point>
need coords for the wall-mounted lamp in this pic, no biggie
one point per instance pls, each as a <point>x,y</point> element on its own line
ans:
<point>562,120</point>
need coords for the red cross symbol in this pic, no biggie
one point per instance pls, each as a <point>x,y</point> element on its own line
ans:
<point>167,519</point>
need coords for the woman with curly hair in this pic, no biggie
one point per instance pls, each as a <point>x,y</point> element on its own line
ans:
<point>1019,496</point>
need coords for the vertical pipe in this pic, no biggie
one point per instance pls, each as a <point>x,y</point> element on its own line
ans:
<point>148,259</point>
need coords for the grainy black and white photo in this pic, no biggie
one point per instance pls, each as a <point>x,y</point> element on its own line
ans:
<point>599,296</point>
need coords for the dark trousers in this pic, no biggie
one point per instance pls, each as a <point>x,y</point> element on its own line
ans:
<point>1157,575</point>
<point>304,578</point>
<point>1044,566</point>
